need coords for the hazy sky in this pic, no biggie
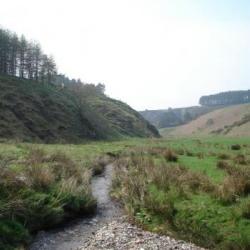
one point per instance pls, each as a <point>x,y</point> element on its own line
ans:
<point>149,53</point>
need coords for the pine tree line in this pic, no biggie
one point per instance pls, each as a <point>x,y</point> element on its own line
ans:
<point>25,59</point>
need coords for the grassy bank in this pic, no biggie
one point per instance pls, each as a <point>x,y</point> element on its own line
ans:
<point>41,186</point>
<point>192,189</point>
<point>39,191</point>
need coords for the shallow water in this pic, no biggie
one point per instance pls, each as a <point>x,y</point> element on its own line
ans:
<point>73,235</point>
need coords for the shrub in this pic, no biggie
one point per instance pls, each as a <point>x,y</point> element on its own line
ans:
<point>235,147</point>
<point>170,155</point>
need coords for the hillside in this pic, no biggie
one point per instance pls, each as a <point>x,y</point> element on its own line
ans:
<point>228,121</point>
<point>30,111</point>
<point>174,117</point>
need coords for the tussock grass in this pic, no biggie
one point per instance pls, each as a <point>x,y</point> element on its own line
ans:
<point>235,185</point>
<point>223,156</point>
<point>240,159</point>
<point>43,192</point>
<point>170,155</point>
<point>99,164</point>
<point>166,196</point>
<point>139,179</point>
<point>225,166</point>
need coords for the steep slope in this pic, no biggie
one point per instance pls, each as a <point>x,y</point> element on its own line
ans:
<point>31,111</point>
<point>229,121</point>
<point>123,118</point>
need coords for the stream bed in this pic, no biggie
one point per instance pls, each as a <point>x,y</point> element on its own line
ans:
<point>74,235</point>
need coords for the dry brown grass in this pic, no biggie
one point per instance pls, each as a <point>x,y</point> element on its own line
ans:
<point>167,153</point>
<point>39,177</point>
<point>196,181</point>
<point>99,164</point>
<point>224,156</point>
<point>235,185</point>
<point>224,165</point>
<point>240,159</point>
<point>231,189</point>
<point>42,171</point>
<point>133,175</point>
<point>10,180</point>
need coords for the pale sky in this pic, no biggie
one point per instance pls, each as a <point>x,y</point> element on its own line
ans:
<point>151,54</point>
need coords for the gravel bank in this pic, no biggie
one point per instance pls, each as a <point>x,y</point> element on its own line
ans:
<point>120,235</point>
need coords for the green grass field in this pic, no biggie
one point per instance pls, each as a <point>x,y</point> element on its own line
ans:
<point>194,189</point>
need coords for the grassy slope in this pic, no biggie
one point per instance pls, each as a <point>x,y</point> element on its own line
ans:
<point>36,112</point>
<point>123,118</point>
<point>230,121</point>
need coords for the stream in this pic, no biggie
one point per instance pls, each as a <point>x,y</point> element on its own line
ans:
<point>73,235</point>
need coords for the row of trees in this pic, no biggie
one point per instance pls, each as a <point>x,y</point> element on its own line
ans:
<point>226,98</point>
<point>25,59</point>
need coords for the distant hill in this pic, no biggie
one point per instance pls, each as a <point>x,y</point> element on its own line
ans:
<point>174,117</point>
<point>31,111</point>
<point>228,121</point>
<point>226,98</point>
<point>180,116</point>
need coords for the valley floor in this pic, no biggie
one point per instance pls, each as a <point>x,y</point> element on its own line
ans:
<point>193,190</point>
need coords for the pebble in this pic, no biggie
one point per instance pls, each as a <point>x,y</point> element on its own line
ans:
<point>120,235</point>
